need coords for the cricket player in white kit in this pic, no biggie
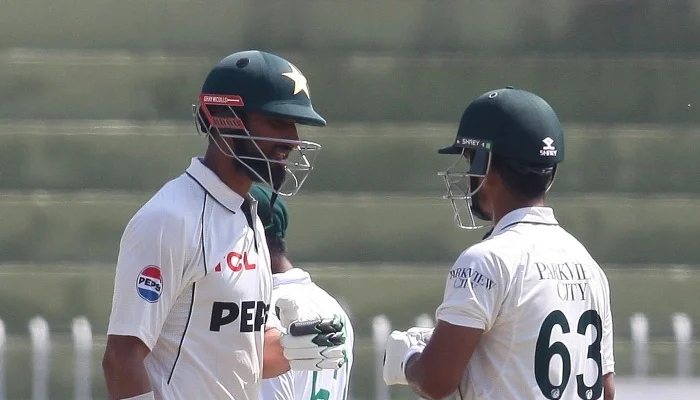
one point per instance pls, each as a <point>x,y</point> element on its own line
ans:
<point>526,311</point>
<point>193,284</point>
<point>291,284</point>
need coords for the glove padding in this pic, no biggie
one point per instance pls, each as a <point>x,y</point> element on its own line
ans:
<point>291,309</point>
<point>422,335</point>
<point>315,345</point>
<point>400,346</point>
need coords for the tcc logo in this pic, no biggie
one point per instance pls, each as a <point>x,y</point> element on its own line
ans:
<point>236,262</point>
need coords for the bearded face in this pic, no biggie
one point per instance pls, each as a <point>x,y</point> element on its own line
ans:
<point>256,165</point>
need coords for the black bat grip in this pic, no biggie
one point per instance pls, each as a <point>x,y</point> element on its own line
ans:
<point>315,326</point>
<point>304,328</point>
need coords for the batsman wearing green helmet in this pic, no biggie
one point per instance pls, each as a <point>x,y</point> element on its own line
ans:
<point>526,311</point>
<point>193,284</point>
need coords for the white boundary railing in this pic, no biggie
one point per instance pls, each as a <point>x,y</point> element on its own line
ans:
<point>3,393</point>
<point>41,357</point>
<point>40,337</point>
<point>82,343</point>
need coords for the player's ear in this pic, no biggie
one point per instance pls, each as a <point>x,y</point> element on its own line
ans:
<point>222,141</point>
<point>493,178</point>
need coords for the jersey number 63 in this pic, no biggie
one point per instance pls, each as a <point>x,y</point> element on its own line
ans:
<point>544,351</point>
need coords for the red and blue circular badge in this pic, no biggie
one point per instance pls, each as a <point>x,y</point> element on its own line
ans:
<point>150,284</point>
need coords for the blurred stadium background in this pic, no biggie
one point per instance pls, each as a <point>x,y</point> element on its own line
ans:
<point>95,115</point>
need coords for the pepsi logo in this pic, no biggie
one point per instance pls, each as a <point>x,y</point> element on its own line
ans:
<point>150,284</point>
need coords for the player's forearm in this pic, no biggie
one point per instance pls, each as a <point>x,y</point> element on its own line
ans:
<point>274,361</point>
<point>609,386</point>
<point>426,385</point>
<point>125,377</point>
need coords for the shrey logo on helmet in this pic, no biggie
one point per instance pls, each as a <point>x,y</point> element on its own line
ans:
<point>509,124</point>
<point>548,149</point>
<point>472,143</point>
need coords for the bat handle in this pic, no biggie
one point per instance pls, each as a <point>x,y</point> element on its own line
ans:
<point>304,328</point>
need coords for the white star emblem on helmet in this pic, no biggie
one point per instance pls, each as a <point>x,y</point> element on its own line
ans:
<point>300,83</point>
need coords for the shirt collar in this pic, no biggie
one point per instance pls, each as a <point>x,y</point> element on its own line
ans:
<point>211,183</point>
<point>529,215</point>
<point>294,275</point>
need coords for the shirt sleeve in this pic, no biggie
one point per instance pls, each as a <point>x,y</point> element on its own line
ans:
<point>149,275</point>
<point>607,338</point>
<point>474,291</point>
<point>278,388</point>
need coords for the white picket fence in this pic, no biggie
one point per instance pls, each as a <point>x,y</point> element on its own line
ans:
<point>40,337</point>
<point>381,328</point>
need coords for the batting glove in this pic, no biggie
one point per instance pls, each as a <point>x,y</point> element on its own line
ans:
<point>401,346</point>
<point>312,342</point>
<point>315,345</point>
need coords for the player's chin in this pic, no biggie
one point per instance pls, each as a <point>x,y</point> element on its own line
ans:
<point>256,171</point>
<point>277,175</point>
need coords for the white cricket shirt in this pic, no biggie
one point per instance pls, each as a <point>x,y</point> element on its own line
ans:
<point>544,305</point>
<point>193,282</point>
<point>309,385</point>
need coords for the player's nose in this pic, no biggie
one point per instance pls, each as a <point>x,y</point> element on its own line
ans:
<point>292,133</point>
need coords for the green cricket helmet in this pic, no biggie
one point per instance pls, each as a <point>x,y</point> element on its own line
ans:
<point>517,126</point>
<point>258,82</point>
